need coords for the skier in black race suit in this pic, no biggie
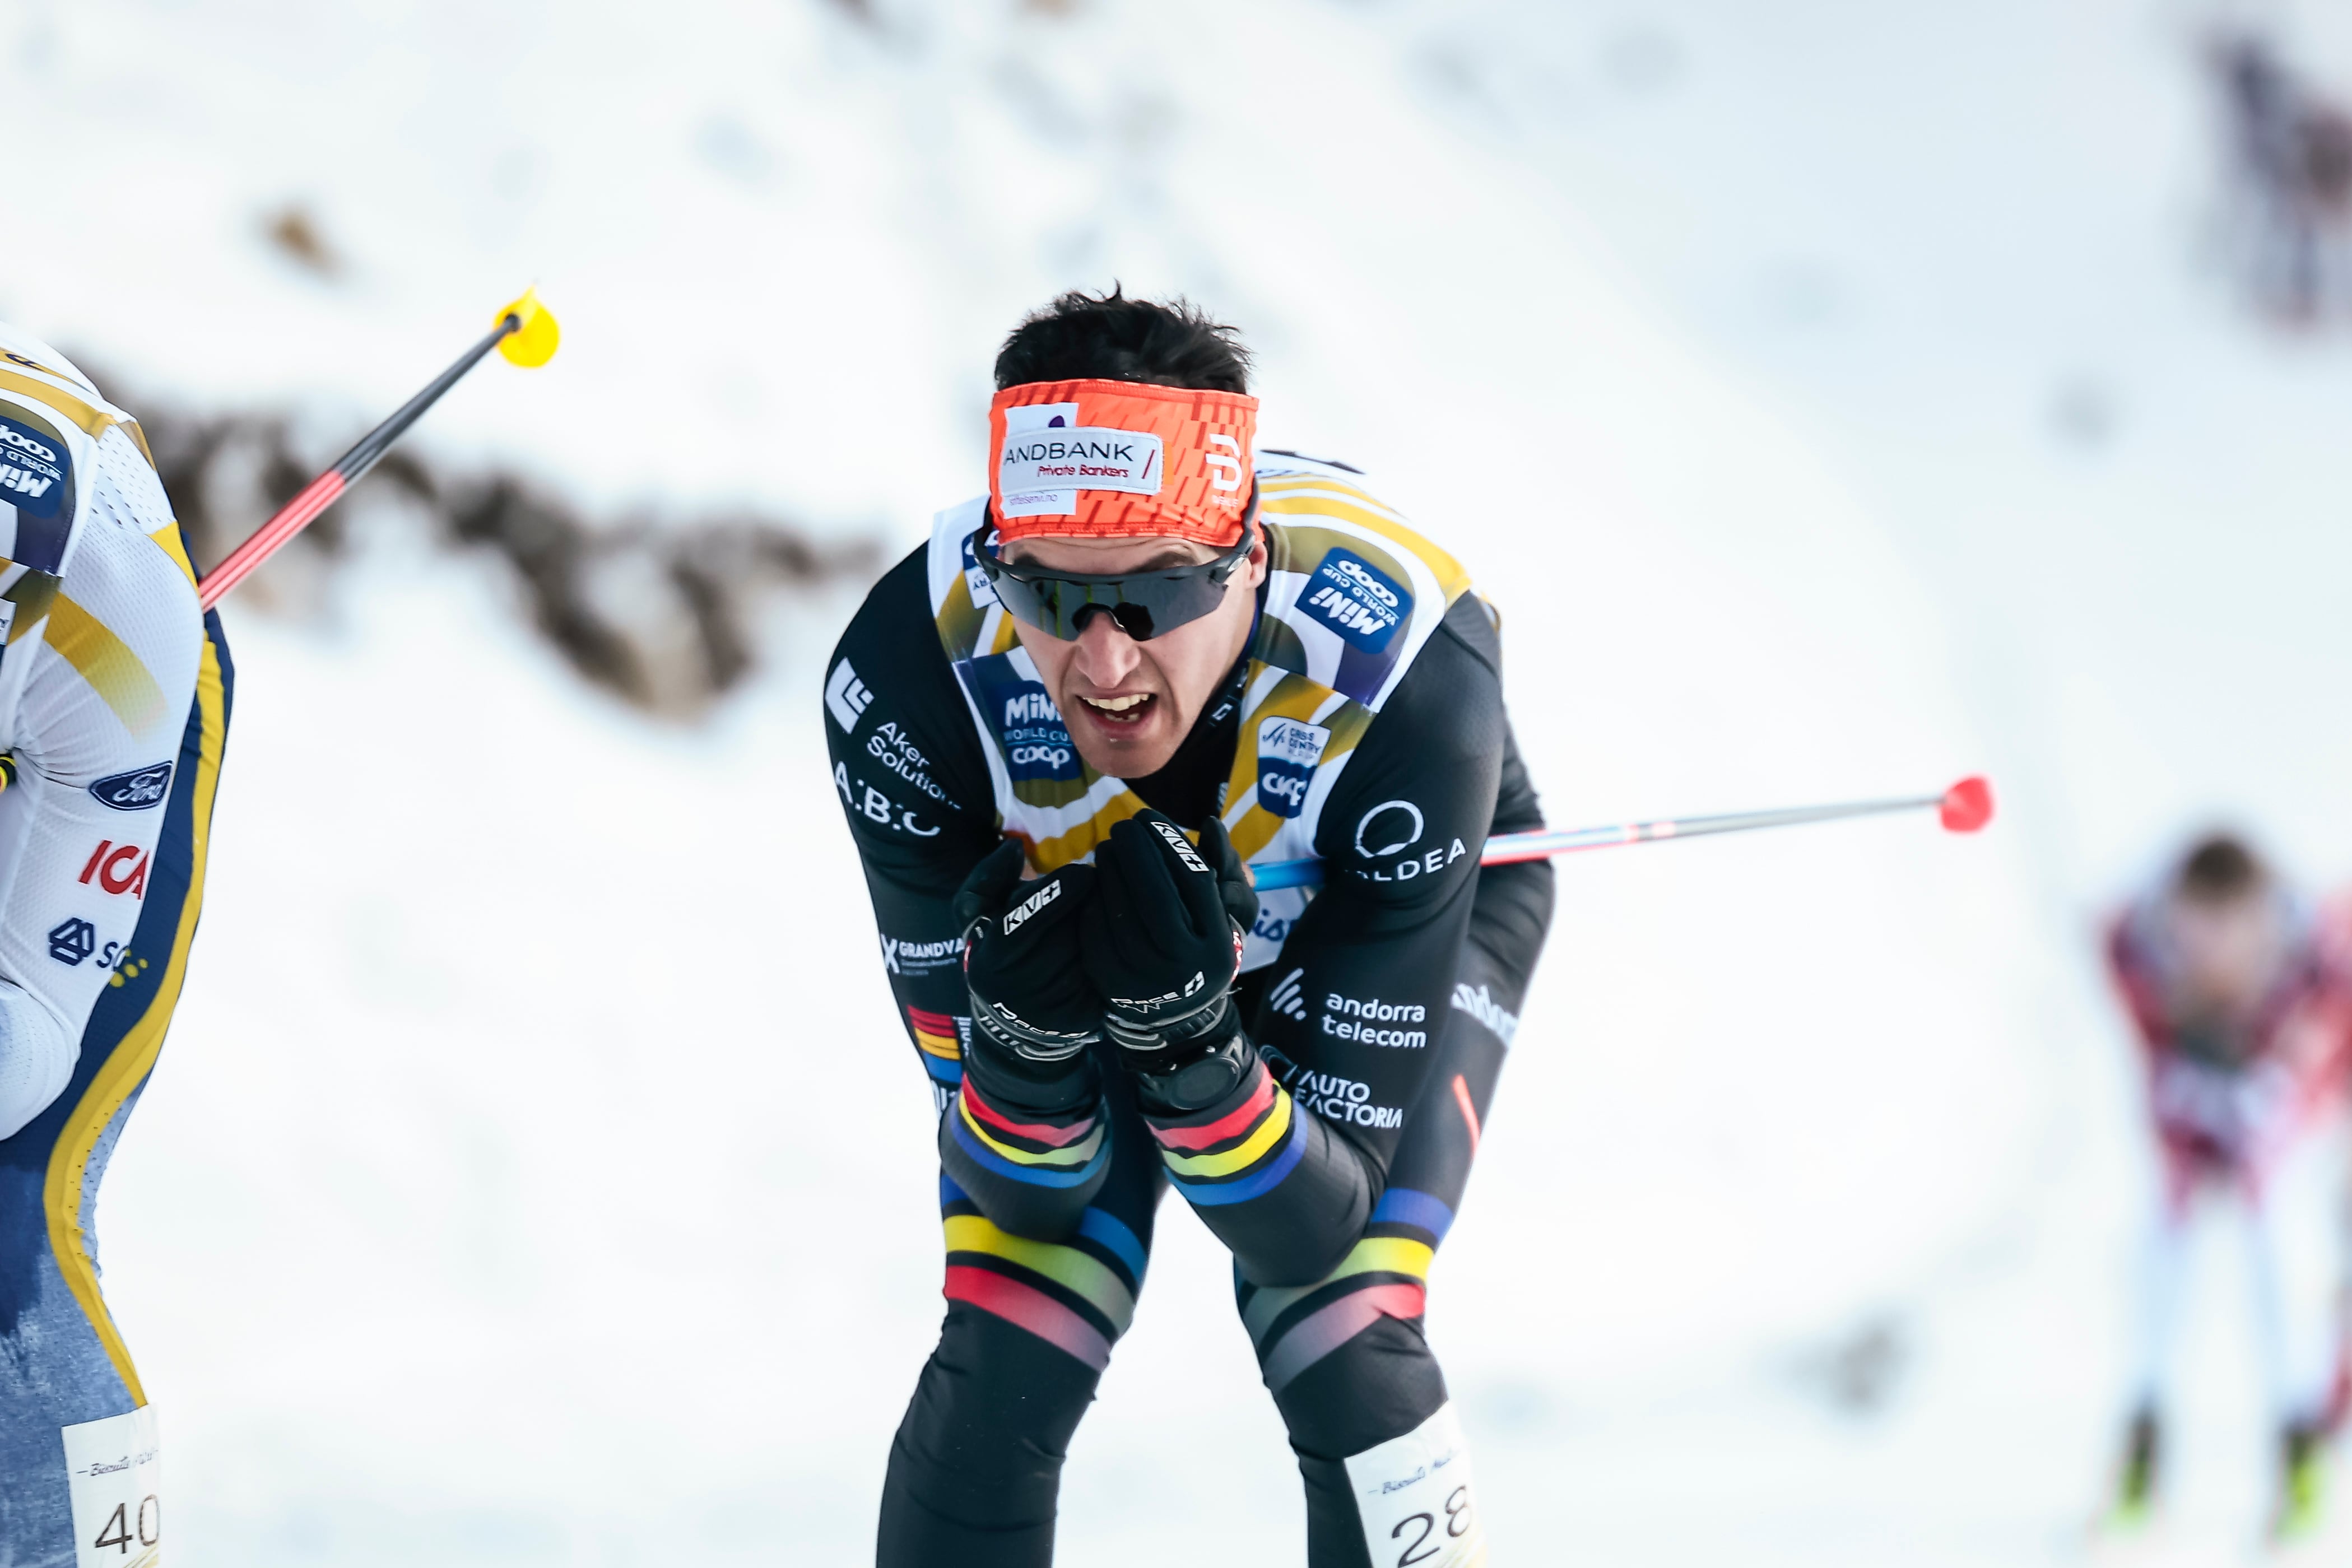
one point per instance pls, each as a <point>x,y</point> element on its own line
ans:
<point>1149,657</point>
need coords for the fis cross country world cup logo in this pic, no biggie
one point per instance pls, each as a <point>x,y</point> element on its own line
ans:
<point>137,791</point>
<point>1357,600</point>
<point>1036,743</point>
<point>1287,752</point>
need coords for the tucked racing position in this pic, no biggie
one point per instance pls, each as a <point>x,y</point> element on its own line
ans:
<point>2240,990</point>
<point>114,699</point>
<point>1061,731</point>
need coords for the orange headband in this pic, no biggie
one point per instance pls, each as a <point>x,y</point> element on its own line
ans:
<point>1098,459</point>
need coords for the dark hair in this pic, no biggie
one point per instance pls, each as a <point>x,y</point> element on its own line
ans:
<point>1108,336</point>
<point>2220,869</point>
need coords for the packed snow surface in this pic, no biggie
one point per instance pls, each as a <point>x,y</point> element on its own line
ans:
<point>1826,392</point>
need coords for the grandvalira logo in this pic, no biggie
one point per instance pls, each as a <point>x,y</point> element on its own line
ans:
<point>903,958</point>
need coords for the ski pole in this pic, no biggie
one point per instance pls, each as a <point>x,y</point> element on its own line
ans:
<point>525,333</point>
<point>1964,807</point>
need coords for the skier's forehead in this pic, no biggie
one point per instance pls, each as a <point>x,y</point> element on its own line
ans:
<point>1102,556</point>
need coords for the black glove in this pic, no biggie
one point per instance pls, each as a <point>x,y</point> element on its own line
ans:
<point>1162,948</point>
<point>1033,1012</point>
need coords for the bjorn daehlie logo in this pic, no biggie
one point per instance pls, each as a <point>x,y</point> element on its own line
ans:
<point>136,791</point>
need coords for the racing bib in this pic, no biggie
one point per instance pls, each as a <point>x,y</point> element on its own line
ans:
<point>1414,1496</point>
<point>114,1478</point>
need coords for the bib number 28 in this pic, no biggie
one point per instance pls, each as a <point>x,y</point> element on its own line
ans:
<point>114,1478</point>
<point>1416,1499</point>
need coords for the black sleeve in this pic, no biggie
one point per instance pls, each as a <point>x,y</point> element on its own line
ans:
<point>914,785</point>
<point>1359,991</point>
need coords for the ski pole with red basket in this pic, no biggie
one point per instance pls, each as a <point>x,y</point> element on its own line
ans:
<point>1964,807</point>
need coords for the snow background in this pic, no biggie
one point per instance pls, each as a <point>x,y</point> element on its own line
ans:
<point>537,1174</point>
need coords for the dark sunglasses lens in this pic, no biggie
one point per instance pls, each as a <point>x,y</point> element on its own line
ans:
<point>1133,619</point>
<point>1142,607</point>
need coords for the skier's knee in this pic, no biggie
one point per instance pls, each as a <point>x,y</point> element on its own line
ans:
<point>1380,1383</point>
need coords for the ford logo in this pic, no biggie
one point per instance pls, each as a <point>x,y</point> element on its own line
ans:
<point>135,790</point>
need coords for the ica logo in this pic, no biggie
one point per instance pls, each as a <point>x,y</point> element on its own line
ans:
<point>117,868</point>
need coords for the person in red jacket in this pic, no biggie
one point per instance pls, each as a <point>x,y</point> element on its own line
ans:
<point>2240,992</point>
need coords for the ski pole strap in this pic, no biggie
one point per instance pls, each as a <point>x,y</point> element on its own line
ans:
<point>1508,849</point>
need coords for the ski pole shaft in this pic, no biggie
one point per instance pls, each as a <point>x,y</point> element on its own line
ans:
<point>525,317</point>
<point>1964,807</point>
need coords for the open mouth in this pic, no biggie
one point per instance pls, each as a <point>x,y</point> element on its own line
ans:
<point>1120,712</point>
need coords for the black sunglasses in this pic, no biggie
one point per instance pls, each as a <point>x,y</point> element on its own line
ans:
<point>1142,604</point>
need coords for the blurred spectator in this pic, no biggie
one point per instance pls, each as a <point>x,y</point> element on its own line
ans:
<point>2290,174</point>
<point>2241,995</point>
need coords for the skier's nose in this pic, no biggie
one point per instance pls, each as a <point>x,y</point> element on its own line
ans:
<point>1106,655</point>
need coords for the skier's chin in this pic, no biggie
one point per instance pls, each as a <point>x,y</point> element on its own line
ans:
<point>1130,751</point>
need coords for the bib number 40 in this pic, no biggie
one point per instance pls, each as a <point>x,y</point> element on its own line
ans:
<point>114,1479</point>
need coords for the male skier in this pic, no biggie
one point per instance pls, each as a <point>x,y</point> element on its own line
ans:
<point>1150,655</point>
<point>2241,995</point>
<point>114,696</point>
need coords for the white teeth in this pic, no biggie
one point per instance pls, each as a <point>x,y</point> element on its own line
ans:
<point>1116,705</point>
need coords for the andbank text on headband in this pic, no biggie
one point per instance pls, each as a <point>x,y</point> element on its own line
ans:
<point>1104,459</point>
<point>1143,604</point>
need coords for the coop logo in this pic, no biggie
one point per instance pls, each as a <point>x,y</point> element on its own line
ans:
<point>140,789</point>
<point>1287,753</point>
<point>1357,600</point>
<point>16,435</point>
<point>1036,745</point>
<point>845,697</point>
<point>1086,457</point>
<point>33,473</point>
